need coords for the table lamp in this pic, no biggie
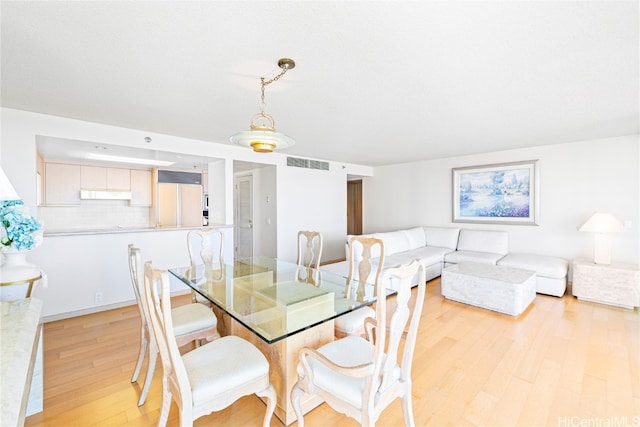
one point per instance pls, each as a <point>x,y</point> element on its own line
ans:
<point>603,224</point>
<point>7,192</point>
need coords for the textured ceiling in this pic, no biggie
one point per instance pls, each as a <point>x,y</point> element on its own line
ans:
<point>375,82</point>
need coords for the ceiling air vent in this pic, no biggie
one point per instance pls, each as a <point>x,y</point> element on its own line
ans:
<point>307,164</point>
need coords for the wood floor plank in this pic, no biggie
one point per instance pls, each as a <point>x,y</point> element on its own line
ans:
<point>562,358</point>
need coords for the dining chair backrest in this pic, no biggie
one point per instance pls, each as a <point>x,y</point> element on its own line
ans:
<point>388,352</point>
<point>206,247</point>
<point>362,250</point>
<point>147,341</point>
<point>158,300</point>
<point>136,271</point>
<point>309,255</point>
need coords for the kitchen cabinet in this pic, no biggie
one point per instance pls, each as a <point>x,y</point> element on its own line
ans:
<point>118,179</point>
<point>101,178</point>
<point>140,187</point>
<point>62,184</point>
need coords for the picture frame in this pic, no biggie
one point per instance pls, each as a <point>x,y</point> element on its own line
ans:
<point>501,193</point>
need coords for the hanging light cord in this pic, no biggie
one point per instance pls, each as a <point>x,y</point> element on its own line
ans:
<point>263,84</point>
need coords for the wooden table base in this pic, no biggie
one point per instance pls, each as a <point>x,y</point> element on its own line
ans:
<point>283,359</point>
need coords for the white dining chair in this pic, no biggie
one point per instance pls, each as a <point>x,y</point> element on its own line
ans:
<point>360,376</point>
<point>192,322</point>
<point>361,251</point>
<point>209,378</point>
<point>205,248</point>
<point>309,255</point>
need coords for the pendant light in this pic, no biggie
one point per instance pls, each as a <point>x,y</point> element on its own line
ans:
<point>262,136</point>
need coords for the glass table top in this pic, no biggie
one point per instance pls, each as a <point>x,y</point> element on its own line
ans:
<point>274,298</point>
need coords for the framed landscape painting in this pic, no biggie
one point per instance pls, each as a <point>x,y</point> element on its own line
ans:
<point>505,193</point>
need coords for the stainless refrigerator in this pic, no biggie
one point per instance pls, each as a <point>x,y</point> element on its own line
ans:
<point>179,203</point>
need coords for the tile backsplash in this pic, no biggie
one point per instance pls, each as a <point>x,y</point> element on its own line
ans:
<point>94,214</point>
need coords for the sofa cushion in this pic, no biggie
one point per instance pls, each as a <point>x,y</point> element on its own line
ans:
<point>430,254</point>
<point>442,237</point>
<point>456,257</point>
<point>415,237</point>
<point>394,242</point>
<point>545,266</point>
<point>495,242</point>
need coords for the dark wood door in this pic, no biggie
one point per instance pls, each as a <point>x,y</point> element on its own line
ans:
<point>354,207</point>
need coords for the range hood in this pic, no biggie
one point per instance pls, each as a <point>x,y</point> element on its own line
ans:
<point>105,195</point>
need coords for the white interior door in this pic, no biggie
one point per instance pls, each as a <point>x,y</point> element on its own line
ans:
<point>244,216</point>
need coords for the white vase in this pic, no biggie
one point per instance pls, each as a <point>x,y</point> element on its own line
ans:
<point>17,275</point>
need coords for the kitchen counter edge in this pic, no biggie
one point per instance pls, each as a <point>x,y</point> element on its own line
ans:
<point>127,230</point>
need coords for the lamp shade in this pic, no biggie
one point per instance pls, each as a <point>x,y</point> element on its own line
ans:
<point>7,192</point>
<point>602,222</point>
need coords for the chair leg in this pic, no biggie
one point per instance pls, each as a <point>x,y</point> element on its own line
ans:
<point>296,394</point>
<point>166,403</point>
<point>407,408</point>
<point>151,367</point>
<point>270,394</point>
<point>144,343</point>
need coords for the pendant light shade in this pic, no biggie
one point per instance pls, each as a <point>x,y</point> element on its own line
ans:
<point>262,138</point>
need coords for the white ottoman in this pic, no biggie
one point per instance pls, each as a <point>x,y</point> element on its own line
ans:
<point>551,272</point>
<point>504,289</point>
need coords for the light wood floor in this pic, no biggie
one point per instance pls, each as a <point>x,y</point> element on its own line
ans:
<point>562,363</point>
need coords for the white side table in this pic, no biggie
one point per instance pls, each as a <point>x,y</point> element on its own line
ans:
<point>614,284</point>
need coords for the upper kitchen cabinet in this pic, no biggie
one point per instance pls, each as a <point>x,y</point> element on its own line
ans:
<point>140,187</point>
<point>101,178</point>
<point>62,184</point>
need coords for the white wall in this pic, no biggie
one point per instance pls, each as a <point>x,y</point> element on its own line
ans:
<point>576,179</point>
<point>316,200</point>
<point>79,266</point>
<point>265,206</point>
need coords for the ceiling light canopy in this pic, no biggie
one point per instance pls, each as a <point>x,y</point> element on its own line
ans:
<point>262,136</point>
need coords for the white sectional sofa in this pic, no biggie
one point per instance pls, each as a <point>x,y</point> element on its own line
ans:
<point>439,247</point>
<point>429,244</point>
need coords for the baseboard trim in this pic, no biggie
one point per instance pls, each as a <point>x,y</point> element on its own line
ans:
<point>98,309</point>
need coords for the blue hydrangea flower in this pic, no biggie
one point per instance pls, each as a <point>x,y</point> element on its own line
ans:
<point>21,230</point>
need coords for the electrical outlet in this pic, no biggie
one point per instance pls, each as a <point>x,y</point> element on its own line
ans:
<point>98,296</point>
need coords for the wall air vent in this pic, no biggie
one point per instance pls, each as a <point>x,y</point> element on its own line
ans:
<point>307,164</point>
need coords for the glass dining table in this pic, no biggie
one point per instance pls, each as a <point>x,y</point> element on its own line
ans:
<point>280,308</point>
